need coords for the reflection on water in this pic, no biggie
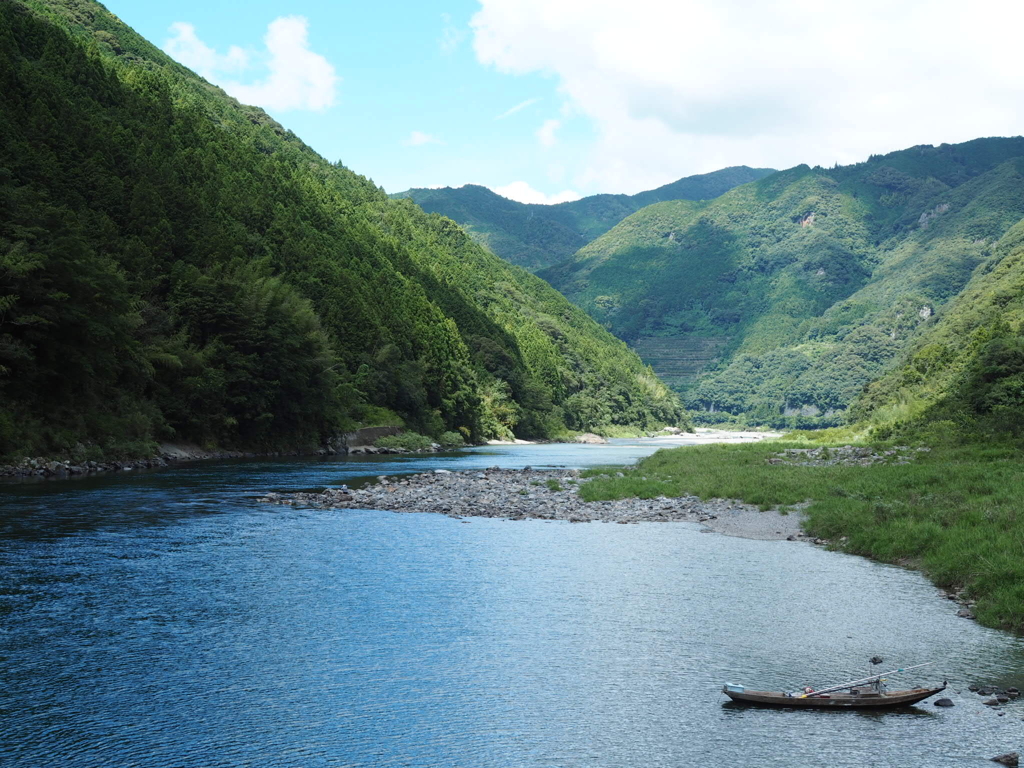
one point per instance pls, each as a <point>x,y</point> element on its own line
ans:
<point>168,619</point>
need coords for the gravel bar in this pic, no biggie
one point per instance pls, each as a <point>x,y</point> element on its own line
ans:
<point>530,494</point>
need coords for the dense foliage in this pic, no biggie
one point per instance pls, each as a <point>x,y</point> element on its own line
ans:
<point>176,265</point>
<point>538,236</point>
<point>806,284</point>
<point>963,377</point>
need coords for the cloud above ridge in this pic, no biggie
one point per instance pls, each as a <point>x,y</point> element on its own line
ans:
<point>296,79</point>
<point>694,85</point>
<point>522,192</point>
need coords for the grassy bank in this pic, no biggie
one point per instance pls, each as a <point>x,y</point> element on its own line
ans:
<point>953,513</point>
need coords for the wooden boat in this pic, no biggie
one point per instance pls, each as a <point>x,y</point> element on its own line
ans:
<point>837,700</point>
<point>866,693</point>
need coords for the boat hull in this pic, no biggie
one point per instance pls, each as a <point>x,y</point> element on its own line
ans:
<point>835,700</point>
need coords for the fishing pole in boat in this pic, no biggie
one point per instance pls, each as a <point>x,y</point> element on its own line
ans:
<point>862,681</point>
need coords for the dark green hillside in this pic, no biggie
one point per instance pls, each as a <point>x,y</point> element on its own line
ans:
<point>815,279</point>
<point>964,377</point>
<point>176,266</point>
<point>538,236</point>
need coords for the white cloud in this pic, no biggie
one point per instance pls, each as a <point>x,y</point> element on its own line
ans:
<point>518,107</point>
<point>297,78</point>
<point>187,48</point>
<point>451,35</point>
<point>524,193</point>
<point>546,133</point>
<point>692,85</point>
<point>418,139</point>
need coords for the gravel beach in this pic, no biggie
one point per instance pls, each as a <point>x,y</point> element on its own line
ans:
<point>520,494</point>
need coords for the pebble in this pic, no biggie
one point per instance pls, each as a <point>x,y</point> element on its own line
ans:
<point>544,495</point>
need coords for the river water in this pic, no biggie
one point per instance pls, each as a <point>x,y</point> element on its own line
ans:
<point>167,618</point>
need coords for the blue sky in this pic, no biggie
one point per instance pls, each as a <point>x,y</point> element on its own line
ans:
<point>403,68</point>
<point>548,99</point>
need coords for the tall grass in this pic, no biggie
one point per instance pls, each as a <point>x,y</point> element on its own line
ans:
<point>957,512</point>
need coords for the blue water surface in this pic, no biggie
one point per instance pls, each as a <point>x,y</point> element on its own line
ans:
<point>167,618</point>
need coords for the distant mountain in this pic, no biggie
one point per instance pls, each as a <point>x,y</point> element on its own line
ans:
<point>795,291</point>
<point>176,265</point>
<point>537,236</point>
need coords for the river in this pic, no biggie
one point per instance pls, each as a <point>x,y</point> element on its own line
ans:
<point>166,618</point>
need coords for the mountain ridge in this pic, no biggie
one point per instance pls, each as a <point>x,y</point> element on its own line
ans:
<point>811,281</point>
<point>536,236</point>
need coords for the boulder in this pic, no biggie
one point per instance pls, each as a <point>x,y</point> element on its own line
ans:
<point>944,702</point>
<point>591,439</point>
<point>1010,758</point>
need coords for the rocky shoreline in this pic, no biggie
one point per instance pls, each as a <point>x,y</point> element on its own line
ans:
<point>352,444</point>
<point>167,455</point>
<point>522,494</point>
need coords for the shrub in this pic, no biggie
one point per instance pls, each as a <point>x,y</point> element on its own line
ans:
<point>451,440</point>
<point>407,441</point>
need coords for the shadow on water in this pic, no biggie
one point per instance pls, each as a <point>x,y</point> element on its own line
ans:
<point>740,707</point>
<point>53,507</point>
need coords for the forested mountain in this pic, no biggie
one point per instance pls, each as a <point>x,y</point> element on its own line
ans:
<point>176,265</point>
<point>538,236</point>
<point>965,374</point>
<point>795,291</point>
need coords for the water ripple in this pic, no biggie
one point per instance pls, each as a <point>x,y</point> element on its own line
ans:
<point>139,626</point>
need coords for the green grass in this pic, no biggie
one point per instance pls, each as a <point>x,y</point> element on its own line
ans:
<point>953,513</point>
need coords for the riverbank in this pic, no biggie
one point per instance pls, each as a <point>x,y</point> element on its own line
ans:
<point>522,494</point>
<point>169,454</point>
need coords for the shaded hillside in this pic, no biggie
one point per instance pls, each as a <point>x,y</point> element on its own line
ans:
<point>815,278</point>
<point>965,374</point>
<point>176,265</point>
<point>537,236</point>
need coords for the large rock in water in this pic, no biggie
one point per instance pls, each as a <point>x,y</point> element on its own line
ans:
<point>591,438</point>
<point>944,703</point>
<point>1010,758</point>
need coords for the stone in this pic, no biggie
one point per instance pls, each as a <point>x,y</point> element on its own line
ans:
<point>991,702</point>
<point>1011,759</point>
<point>944,702</point>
